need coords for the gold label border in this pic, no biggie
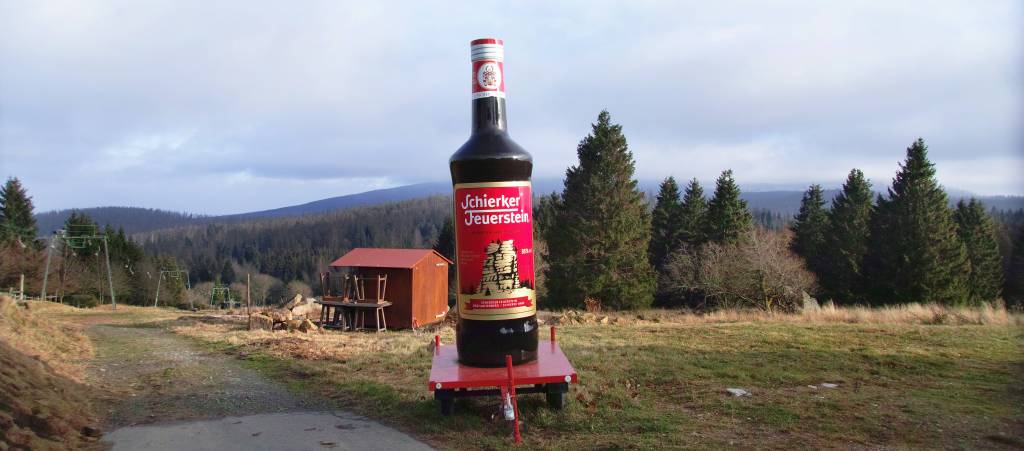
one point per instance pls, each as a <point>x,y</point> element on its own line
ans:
<point>459,297</point>
<point>491,185</point>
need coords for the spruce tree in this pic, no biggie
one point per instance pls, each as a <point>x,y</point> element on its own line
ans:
<point>77,227</point>
<point>16,219</point>
<point>445,244</point>
<point>665,224</point>
<point>227,273</point>
<point>810,228</point>
<point>728,217</point>
<point>1014,291</point>
<point>600,229</point>
<point>849,222</point>
<point>915,253</point>
<point>692,212</point>
<point>977,232</point>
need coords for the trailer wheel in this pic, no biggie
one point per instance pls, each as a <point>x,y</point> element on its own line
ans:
<point>445,399</point>
<point>556,400</point>
<point>556,395</point>
<point>447,406</point>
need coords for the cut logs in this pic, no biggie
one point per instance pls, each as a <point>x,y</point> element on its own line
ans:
<point>294,315</point>
<point>261,322</point>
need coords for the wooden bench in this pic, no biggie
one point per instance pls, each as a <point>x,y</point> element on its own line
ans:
<point>351,315</point>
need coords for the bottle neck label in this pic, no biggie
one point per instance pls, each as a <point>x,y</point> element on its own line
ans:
<point>494,250</point>
<point>488,78</point>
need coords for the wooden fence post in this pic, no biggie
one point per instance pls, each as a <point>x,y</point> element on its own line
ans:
<point>248,301</point>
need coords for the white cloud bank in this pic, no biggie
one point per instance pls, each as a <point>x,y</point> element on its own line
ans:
<point>219,107</point>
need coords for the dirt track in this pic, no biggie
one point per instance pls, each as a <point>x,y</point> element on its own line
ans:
<point>157,385</point>
<point>154,375</point>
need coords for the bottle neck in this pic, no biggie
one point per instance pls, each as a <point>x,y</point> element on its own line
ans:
<point>489,116</point>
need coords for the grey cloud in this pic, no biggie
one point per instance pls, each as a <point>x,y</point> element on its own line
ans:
<point>272,103</point>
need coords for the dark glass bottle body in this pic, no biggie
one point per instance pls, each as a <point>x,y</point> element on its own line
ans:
<point>491,156</point>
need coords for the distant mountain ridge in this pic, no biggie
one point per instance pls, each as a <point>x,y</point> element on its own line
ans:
<point>139,220</point>
<point>132,219</point>
<point>373,197</point>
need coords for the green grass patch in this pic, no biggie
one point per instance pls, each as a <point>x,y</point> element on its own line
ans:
<point>648,386</point>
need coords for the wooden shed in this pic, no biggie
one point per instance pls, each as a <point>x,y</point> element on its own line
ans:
<point>417,282</point>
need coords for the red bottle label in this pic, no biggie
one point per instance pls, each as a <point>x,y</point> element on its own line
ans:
<point>488,79</point>
<point>494,250</point>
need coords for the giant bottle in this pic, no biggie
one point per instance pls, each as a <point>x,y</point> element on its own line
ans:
<point>497,300</point>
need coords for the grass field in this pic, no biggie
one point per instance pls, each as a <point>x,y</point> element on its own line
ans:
<point>920,377</point>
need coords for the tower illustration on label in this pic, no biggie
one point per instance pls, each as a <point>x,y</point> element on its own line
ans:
<point>501,270</point>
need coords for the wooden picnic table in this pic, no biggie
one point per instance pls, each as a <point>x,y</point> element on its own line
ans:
<point>351,314</point>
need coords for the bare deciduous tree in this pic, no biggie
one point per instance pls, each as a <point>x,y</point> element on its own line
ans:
<point>756,272</point>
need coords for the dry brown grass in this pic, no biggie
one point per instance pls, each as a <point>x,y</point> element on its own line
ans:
<point>314,345</point>
<point>922,314</point>
<point>43,402</point>
<point>33,332</point>
<point>343,346</point>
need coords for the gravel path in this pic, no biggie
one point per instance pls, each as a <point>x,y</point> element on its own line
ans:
<point>271,432</point>
<point>158,384</point>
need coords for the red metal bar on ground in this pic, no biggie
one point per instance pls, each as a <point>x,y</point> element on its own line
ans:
<point>512,396</point>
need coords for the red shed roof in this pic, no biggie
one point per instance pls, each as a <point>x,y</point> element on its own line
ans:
<point>372,257</point>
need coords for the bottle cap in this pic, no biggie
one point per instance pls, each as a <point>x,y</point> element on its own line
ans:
<point>487,49</point>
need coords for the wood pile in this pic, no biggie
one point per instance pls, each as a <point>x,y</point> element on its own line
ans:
<point>575,317</point>
<point>260,321</point>
<point>293,316</point>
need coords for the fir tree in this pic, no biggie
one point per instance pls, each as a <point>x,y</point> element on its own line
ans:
<point>77,228</point>
<point>977,232</point>
<point>16,219</point>
<point>445,244</point>
<point>692,212</point>
<point>727,218</point>
<point>849,222</point>
<point>1015,270</point>
<point>665,224</point>
<point>227,273</point>
<point>915,254</point>
<point>810,228</point>
<point>600,229</point>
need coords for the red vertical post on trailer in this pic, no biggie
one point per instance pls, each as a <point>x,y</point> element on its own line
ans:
<point>512,396</point>
<point>552,334</point>
<point>437,343</point>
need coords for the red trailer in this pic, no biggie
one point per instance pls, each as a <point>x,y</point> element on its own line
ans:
<point>550,374</point>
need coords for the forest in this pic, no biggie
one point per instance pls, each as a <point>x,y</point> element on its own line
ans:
<point>627,249</point>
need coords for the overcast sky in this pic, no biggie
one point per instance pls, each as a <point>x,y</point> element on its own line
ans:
<point>223,107</point>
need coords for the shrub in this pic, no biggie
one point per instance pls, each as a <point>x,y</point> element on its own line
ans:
<point>758,271</point>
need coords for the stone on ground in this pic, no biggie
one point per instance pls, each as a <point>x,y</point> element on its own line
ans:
<point>737,392</point>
